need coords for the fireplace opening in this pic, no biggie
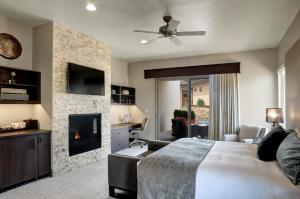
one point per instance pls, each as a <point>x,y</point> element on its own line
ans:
<point>84,133</point>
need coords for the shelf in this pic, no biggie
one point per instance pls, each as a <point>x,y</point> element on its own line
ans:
<point>25,79</point>
<point>118,96</point>
<point>18,102</point>
<point>17,85</point>
<point>12,130</point>
<point>127,95</point>
<point>122,104</point>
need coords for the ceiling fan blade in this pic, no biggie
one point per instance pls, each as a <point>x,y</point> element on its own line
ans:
<point>173,24</point>
<point>176,41</point>
<point>152,40</point>
<point>145,31</point>
<point>190,33</point>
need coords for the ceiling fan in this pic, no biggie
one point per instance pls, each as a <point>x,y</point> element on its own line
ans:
<point>170,31</point>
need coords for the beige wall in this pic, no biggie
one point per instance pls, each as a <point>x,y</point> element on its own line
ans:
<point>119,72</point>
<point>258,82</point>
<point>292,60</point>
<point>119,76</point>
<point>11,113</point>
<point>24,34</point>
<point>290,37</point>
<point>169,100</point>
<point>288,54</point>
<point>42,61</point>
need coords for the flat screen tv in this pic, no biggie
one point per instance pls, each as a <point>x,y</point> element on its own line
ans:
<point>85,80</point>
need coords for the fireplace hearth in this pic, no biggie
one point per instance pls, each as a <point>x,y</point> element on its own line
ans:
<point>84,133</point>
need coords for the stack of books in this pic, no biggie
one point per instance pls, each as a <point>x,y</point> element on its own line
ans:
<point>14,94</point>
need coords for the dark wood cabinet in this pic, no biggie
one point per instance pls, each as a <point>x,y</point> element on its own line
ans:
<point>18,160</point>
<point>44,155</point>
<point>24,157</point>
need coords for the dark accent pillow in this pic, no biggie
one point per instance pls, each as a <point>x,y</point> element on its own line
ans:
<point>288,156</point>
<point>267,148</point>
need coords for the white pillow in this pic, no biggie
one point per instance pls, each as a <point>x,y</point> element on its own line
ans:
<point>231,138</point>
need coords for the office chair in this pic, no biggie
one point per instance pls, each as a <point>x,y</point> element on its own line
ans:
<point>135,132</point>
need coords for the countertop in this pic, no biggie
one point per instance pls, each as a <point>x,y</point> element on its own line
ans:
<point>123,125</point>
<point>23,133</point>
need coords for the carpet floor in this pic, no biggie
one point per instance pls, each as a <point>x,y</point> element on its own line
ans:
<point>82,183</point>
<point>89,182</point>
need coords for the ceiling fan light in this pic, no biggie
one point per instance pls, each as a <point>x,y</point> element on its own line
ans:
<point>91,7</point>
<point>143,41</point>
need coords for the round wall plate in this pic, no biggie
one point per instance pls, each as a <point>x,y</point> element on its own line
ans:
<point>10,47</point>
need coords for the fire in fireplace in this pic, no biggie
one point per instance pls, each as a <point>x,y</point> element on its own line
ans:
<point>77,135</point>
<point>84,133</point>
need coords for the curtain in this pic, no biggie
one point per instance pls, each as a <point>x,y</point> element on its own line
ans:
<point>224,105</point>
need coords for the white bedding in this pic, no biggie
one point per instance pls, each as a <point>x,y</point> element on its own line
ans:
<point>232,171</point>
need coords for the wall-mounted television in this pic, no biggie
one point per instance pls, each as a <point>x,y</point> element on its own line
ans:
<point>85,80</point>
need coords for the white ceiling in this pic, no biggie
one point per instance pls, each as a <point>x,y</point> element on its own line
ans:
<point>231,25</point>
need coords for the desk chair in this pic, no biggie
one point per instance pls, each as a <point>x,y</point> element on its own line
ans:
<point>136,131</point>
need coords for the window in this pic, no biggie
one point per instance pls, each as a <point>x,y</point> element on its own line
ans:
<point>281,90</point>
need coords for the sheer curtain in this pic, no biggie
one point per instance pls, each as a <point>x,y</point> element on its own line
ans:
<point>224,105</point>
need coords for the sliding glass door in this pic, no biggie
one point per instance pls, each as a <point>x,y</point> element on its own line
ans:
<point>199,107</point>
<point>182,108</point>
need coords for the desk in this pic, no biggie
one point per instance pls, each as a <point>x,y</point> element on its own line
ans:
<point>199,130</point>
<point>120,136</point>
<point>124,125</point>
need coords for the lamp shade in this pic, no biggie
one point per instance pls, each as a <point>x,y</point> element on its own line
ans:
<point>274,115</point>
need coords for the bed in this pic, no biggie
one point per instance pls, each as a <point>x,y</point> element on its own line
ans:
<point>226,171</point>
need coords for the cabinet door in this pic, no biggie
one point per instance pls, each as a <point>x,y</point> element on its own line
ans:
<point>115,140</point>
<point>44,155</point>
<point>18,160</point>
<point>119,139</point>
<point>124,138</point>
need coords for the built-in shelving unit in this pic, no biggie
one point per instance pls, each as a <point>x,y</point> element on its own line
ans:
<point>23,79</point>
<point>122,95</point>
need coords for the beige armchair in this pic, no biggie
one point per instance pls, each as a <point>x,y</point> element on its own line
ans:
<point>245,133</point>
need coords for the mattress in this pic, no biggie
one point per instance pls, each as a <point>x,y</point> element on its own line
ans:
<point>233,171</point>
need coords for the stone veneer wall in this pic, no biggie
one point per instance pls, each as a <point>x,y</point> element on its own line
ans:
<point>71,46</point>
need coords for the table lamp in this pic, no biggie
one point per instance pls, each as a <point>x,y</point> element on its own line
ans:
<point>274,115</point>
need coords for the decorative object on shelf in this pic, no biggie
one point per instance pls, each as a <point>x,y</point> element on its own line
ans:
<point>28,124</point>
<point>126,118</point>
<point>18,125</point>
<point>5,127</point>
<point>10,47</point>
<point>12,80</point>
<point>274,115</point>
<point>14,94</point>
<point>125,92</point>
<point>32,124</point>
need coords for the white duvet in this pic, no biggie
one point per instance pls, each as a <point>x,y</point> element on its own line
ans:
<point>233,171</point>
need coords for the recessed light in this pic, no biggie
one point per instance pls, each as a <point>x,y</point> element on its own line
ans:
<point>143,41</point>
<point>91,7</point>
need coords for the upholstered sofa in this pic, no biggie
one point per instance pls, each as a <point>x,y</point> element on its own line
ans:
<point>122,169</point>
<point>246,133</point>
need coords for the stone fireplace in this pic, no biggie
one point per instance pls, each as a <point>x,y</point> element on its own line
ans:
<point>84,133</point>
<point>55,45</point>
<point>71,46</point>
